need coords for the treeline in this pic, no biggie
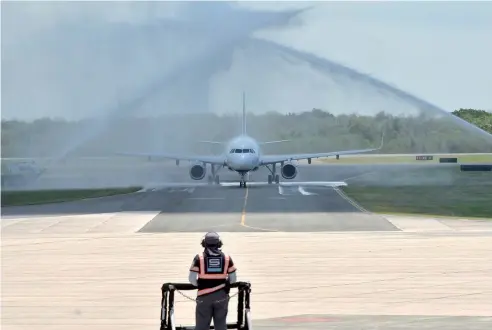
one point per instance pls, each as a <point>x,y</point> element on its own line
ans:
<point>311,131</point>
<point>479,118</point>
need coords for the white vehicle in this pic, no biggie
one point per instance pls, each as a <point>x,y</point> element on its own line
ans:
<point>243,155</point>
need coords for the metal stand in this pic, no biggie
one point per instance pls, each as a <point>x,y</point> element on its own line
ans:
<point>167,306</point>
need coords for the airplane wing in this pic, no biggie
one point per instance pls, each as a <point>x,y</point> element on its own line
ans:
<point>272,159</point>
<point>216,160</point>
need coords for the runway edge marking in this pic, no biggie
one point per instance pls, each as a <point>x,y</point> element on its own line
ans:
<point>401,224</point>
<point>351,201</point>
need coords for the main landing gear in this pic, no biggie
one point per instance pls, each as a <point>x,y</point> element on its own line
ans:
<point>270,179</point>
<point>214,178</point>
<point>273,176</point>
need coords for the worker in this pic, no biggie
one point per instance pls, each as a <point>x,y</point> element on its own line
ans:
<point>211,272</point>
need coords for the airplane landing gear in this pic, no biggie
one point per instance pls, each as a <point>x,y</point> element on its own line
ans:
<point>273,176</point>
<point>271,179</point>
<point>214,178</point>
<point>242,183</point>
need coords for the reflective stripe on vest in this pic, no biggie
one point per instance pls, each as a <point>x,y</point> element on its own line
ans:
<point>203,275</point>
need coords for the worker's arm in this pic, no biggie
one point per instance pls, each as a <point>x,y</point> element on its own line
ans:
<point>232,271</point>
<point>194,269</point>
<point>192,278</point>
<point>232,278</point>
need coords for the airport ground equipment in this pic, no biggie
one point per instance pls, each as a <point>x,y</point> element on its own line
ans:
<point>167,305</point>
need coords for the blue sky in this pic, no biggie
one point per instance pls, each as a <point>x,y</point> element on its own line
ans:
<point>438,51</point>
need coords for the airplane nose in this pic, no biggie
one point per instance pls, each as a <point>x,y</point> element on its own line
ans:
<point>242,162</point>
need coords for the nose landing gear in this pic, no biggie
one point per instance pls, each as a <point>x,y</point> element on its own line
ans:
<point>242,182</point>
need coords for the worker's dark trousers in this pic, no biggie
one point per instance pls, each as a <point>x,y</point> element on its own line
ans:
<point>207,308</point>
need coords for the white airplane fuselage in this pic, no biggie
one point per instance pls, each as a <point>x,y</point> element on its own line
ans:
<point>243,154</point>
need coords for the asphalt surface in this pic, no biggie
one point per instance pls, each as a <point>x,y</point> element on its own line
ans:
<point>263,208</point>
<point>260,207</point>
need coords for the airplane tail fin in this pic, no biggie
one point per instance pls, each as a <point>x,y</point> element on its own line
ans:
<point>244,115</point>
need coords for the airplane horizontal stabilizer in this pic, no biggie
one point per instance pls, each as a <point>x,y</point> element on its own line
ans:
<point>272,142</point>
<point>212,142</point>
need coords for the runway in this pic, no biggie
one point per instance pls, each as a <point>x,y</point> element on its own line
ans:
<point>263,209</point>
<point>314,257</point>
<point>107,172</point>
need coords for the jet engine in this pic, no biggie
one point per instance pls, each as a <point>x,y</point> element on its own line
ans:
<point>289,171</point>
<point>198,171</point>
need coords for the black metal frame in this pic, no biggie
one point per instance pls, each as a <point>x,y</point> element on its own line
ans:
<point>167,306</point>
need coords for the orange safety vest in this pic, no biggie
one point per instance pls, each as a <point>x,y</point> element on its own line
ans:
<point>203,275</point>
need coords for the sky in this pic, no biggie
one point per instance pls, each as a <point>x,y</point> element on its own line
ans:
<point>437,51</point>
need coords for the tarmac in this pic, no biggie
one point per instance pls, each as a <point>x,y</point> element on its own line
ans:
<point>315,258</point>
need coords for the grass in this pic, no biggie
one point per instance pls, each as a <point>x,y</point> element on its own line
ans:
<point>31,197</point>
<point>443,200</point>
<point>383,159</point>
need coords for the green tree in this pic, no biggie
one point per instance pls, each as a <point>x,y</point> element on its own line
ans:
<point>310,131</point>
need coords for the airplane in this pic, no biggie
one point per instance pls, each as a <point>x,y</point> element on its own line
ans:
<point>243,155</point>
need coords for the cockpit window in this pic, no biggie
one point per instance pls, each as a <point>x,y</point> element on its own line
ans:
<point>242,151</point>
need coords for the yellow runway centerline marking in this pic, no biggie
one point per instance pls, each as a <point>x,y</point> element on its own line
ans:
<point>243,213</point>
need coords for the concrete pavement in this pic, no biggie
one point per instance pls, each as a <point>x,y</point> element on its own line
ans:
<point>314,259</point>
